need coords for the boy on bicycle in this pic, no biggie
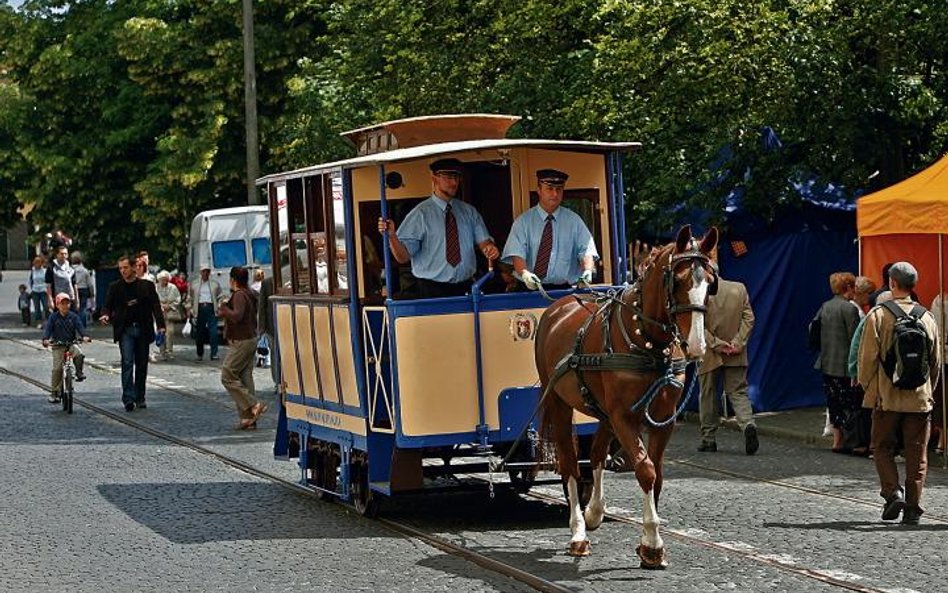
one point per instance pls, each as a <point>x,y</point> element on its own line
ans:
<point>63,329</point>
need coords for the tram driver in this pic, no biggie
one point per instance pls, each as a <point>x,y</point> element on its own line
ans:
<point>548,244</point>
<point>439,236</point>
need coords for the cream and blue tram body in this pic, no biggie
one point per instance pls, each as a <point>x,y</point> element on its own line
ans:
<point>382,393</point>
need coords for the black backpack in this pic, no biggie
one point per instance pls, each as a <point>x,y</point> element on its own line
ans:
<point>906,362</point>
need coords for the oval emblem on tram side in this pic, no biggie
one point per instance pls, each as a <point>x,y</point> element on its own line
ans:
<point>523,326</point>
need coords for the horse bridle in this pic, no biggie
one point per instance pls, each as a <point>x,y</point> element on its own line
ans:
<point>696,257</point>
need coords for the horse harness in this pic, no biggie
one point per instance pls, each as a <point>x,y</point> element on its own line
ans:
<point>645,358</point>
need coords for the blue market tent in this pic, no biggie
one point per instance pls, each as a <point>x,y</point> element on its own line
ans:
<point>786,268</point>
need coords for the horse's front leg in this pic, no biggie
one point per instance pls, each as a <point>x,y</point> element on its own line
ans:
<point>651,549</point>
<point>578,543</point>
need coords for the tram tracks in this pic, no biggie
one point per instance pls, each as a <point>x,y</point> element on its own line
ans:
<point>533,581</point>
<point>734,549</point>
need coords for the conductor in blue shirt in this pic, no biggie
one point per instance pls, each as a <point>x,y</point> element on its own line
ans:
<point>549,244</point>
<point>439,236</point>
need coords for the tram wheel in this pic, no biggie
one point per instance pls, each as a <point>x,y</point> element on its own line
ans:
<point>363,501</point>
<point>326,472</point>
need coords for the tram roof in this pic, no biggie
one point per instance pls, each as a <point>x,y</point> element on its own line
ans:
<point>431,150</point>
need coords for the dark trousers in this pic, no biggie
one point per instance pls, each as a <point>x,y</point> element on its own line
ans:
<point>206,327</point>
<point>914,428</point>
<point>25,316</point>
<point>134,351</point>
<point>430,289</point>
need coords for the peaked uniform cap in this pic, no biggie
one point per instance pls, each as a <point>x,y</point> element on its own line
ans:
<point>552,177</point>
<point>447,166</point>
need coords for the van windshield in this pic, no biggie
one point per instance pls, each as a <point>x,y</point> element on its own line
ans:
<point>227,254</point>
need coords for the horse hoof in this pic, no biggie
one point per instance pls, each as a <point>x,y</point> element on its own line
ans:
<point>579,548</point>
<point>652,558</point>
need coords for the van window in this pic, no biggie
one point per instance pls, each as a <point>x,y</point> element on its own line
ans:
<point>260,248</point>
<point>227,254</point>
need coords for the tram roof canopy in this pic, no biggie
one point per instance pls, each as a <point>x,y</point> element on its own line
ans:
<point>917,205</point>
<point>433,150</point>
<point>429,129</point>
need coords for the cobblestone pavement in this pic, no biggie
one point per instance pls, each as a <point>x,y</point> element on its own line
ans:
<point>99,507</point>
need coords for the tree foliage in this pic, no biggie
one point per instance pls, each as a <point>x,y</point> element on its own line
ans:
<point>120,120</point>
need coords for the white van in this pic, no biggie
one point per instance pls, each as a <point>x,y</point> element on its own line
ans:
<point>229,237</point>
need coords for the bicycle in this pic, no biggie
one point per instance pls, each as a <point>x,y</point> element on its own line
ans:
<point>69,376</point>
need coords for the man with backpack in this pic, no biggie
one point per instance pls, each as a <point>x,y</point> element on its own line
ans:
<point>899,362</point>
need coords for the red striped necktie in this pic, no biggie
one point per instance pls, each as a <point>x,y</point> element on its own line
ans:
<point>452,247</point>
<point>546,247</point>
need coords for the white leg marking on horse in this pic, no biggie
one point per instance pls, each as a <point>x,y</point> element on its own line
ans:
<point>596,509</point>
<point>578,544</point>
<point>577,525</point>
<point>650,523</point>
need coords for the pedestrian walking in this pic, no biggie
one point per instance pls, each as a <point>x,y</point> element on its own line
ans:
<point>898,372</point>
<point>23,304</point>
<point>170,298</point>
<point>131,305</point>
<point>60,278</point>
<point>240,333</point>
<point>729,322</point>
<point>203,295</point>
<point>85,286</point>
<point>38,290</point>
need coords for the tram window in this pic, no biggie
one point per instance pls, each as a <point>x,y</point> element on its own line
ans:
<point>297,250</point>
<point>316,228</point>
<point>339,237</point>
<point>584,202</point>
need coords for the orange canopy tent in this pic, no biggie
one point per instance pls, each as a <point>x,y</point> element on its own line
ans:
<point>908,221</point>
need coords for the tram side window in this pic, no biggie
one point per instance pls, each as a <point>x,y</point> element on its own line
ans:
<point>337,210</point>
<point>316,226</point>
<point>584,202</point>
<point>296,269</point>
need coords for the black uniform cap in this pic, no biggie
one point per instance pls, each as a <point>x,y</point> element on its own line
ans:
<point>447,166</point>
<point>552,177</point>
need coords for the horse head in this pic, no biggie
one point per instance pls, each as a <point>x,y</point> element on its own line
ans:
<point>686,279</point>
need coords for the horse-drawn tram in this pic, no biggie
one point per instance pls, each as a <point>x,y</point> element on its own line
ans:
<point>384,392</point>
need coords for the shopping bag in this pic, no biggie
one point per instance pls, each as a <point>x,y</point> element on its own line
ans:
<point>186,330</point>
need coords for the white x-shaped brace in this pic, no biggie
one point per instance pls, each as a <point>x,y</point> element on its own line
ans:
<point>374,350</point>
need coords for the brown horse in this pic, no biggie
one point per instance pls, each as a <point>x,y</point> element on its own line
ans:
<point>622,359</point>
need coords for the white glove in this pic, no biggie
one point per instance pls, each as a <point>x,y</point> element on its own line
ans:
<point>532,281</point>
<point>585,278</point>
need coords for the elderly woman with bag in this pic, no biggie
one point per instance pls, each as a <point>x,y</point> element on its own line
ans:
<point>170,299</point>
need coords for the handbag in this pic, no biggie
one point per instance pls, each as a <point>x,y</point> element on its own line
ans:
<point>263,345</point>
<point>186,330</point>
<point>175,313</point>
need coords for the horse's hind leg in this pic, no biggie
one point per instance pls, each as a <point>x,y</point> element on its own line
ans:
<point>559,417</point>
<point>596,509</point>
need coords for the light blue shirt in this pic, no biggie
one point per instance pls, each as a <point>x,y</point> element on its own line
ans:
<point>422,234</point>
<point>572,241</point>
